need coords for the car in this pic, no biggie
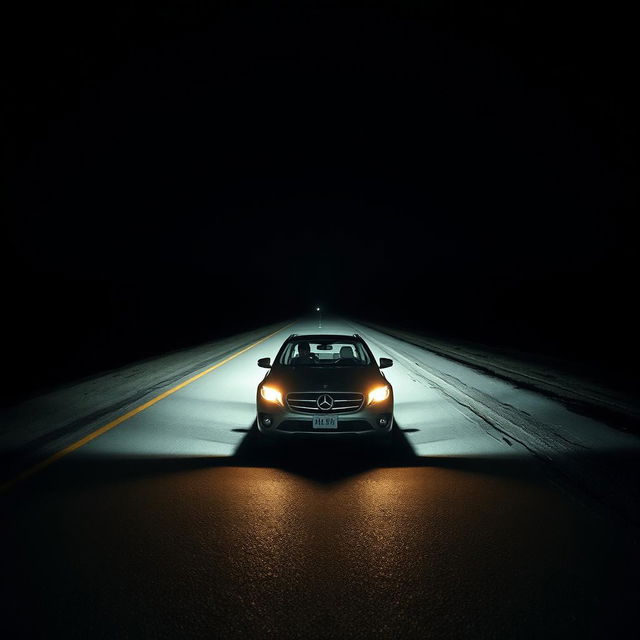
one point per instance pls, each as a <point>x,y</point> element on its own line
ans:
<point>325,385</point>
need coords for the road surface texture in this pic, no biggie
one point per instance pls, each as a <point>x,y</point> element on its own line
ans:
<point>497,512</point>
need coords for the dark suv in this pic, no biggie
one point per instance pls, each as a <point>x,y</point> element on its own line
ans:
<point>325,385</point>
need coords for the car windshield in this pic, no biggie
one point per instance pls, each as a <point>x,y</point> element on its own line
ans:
<point>324,354</point>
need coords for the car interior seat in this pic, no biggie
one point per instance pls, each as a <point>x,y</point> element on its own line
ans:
<point>346,355</point>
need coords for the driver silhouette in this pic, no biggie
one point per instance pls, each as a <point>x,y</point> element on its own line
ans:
<point>304,354</point>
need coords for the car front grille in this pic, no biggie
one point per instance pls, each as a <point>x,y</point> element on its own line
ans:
<point>342,401</point>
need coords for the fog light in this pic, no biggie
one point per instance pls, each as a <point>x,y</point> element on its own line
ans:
<point>266,422</point>
<point>382,422</point>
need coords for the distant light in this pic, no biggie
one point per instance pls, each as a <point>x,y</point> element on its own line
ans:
<point>317,308</point>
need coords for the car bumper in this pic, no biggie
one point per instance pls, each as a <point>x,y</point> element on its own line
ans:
<point>372,420</point>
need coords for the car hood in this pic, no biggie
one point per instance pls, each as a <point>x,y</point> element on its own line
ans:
<point>320,379</point>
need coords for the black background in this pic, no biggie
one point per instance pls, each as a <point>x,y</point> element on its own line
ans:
<point>175,173</point>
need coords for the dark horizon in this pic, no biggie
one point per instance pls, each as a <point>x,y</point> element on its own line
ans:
<point>177,176</point>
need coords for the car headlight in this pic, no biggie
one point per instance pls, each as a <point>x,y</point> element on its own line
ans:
<point>271,395</point>
<point>378,394</point>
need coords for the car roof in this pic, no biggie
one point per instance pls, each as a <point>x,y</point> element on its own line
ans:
<point>324,337</point>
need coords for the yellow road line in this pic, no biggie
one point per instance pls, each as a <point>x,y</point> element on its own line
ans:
<point>30,471</point>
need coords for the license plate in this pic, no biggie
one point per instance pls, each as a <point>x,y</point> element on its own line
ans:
<point>325,422</point>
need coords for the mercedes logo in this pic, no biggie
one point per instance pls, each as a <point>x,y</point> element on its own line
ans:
<point>325,402</point>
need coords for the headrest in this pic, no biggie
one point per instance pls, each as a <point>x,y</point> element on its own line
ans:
<point>346,352</point>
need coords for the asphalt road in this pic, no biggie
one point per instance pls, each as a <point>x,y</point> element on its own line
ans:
<point>181,523</point>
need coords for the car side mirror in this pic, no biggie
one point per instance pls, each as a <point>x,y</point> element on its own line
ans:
<point>265,363</point>
<point>385,363</point>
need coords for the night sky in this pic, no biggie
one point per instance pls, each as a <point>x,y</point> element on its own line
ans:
<point>177,173</point>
